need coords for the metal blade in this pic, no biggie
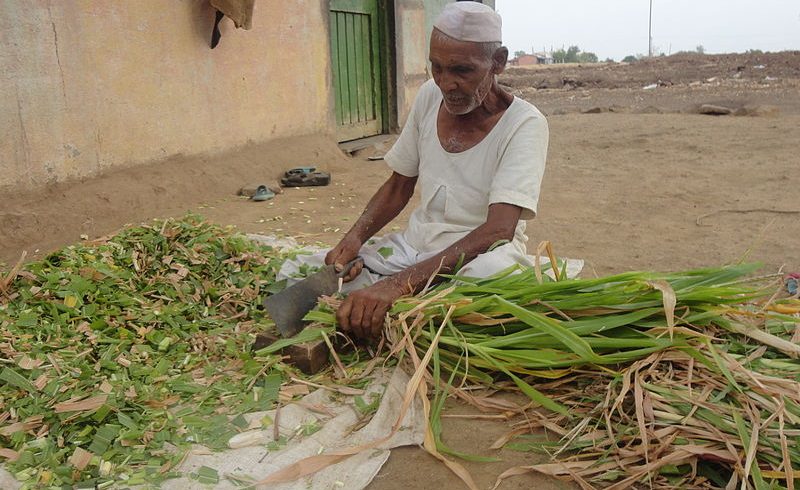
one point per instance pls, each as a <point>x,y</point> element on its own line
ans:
<point>288,307</point>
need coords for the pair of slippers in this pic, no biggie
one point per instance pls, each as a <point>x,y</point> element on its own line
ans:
<point>296,177</point>
<point>305,177</point>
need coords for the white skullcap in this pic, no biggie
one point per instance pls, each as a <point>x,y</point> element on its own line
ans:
<point>470,21</point>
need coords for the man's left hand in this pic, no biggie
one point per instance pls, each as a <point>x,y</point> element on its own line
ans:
<point>362,313</point>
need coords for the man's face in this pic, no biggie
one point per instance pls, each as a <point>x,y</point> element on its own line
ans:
<point>462,71</point>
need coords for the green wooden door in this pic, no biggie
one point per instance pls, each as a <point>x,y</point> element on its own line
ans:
<point>357,68</point>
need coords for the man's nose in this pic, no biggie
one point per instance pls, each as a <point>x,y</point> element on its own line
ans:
<point>447,82</point>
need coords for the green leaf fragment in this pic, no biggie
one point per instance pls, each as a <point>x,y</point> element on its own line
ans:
<point>13,378</point>
<point>207,476</point>
<point>103,438</point>
<point>239,422</point>
<point>368,408</point>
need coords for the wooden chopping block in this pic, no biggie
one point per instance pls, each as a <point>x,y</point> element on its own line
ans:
<point>309,357</point>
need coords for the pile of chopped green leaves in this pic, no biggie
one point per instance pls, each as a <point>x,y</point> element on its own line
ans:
<point>116,356</point>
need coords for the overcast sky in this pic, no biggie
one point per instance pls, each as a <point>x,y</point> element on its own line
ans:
<point>617,28</point>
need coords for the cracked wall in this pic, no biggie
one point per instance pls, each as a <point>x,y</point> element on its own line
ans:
<point>88,85</point>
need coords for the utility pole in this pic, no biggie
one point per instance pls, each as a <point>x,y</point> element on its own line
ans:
<point>650,32</point>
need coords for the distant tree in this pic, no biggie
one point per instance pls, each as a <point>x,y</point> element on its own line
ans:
<point>519,54</point>
<point>754,51</point>
<point>700,49</point>
<point>629,59</point>
<point>572,54</point>
<point>610,60</point>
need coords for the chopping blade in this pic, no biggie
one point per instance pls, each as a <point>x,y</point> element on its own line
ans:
<point>288,307</point>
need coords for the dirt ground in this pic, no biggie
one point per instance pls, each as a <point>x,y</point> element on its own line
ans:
<point>636,179</point>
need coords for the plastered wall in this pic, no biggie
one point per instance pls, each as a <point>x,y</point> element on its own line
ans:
<point>411,46</point>
<point>89,85</point>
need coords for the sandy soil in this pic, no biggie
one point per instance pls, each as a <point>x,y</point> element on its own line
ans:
<point>642,182</point>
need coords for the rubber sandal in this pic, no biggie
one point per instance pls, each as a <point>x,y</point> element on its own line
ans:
<point>300,171</point>
<point>306,179</point>
<point>262,194</point>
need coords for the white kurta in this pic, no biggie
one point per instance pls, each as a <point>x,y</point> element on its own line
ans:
<point>456,190</point>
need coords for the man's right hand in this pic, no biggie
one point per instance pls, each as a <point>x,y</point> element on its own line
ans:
<point>342,254</point>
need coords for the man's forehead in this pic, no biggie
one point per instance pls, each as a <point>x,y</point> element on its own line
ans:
<point>470,21</point>
<point>445,49</point>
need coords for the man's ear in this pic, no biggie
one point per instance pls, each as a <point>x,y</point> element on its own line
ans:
<point>499,60</point>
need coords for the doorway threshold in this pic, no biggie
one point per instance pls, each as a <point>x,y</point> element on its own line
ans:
<point>377,141</point>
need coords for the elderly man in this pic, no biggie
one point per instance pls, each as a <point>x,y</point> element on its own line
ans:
<point>477,154</point>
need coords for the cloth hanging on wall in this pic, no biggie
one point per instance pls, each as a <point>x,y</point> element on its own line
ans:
<point>239,11</point>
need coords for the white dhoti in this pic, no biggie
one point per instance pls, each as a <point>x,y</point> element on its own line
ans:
<point>391,254</point>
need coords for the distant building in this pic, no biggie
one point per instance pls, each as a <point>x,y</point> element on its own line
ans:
<point>532,59</point>
<point>527,60</point>
<point>544,58</point>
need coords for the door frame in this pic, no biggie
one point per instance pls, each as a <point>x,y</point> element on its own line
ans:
<point>384,68</point>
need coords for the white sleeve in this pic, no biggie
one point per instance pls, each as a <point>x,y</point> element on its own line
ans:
<point>403,158</point>
<point>519,174</point>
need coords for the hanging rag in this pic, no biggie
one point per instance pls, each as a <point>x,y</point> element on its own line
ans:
<point>239,11</point>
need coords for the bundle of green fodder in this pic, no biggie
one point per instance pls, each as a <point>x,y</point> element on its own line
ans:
<point>660,379</point>
<point>687,418</point>
<point>114,352</point>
